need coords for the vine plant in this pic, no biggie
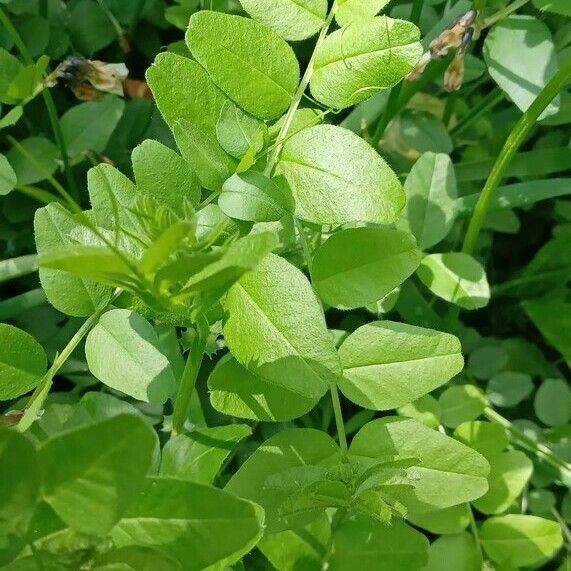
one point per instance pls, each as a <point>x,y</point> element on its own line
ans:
<point>268,219</point>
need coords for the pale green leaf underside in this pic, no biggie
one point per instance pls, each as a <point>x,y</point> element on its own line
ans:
<point>388,364</point>
<point>336,177</point>
<point>354,63</point>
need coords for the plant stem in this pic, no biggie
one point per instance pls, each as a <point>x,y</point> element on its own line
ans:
<point>189,376</point>
<point>416,11</point>
<point>487,104</point>
<point>513,143</point>
<point>390,111</point>
<point>540,450</point>
<point>38,194</point>
<point>339,419</point>
<point>304,244</point>
<point>273,158</point>
<point>57,186</point>
<point>474,530</point>
<point>503,13</point>
<point>39,396</point>
<point>48,100</point>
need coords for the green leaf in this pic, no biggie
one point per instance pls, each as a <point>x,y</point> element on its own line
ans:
<point>508,388</point>
<point>458,552</point>
<point>183,91</point>
<point>552,402</point>
<point>484,362</point>
<point>349,11</point>
<point>456,277</point>
<point>12,117</point>
<point>88,126</point>
<point>123,352</point>
<point>276,329</point>
<point>556,6</point>
<point>293,20</point>
<point>359,266</point>
<point>423,132</point>
<point>109,190</point>
<point>431,199</point>
<point>522,78</point>
<point>19,485</point>
<point>461,403</point>
<point>99,264</point>
<point>197,456</point>
<point>45,156</point>
<point>286,450</point>
<point>379,360</point>
<point>240,257</point>
<point>425,409</point>
<point>164,175</point>
<point>370,55</point>
<point>487,438</point>
<point>135,558</point>
<point>237,132</point>
<point>68,293</point>
<point>235,391</point>
<point>23,362</point>
<point>298,549</point>
<point>12,268</point>
<point>447,521</point>
<point>91,475</point>
<point>336,177</point>
<point>8,179</point>
<point>248,61</point>
<point>196,525</point>
<point>509,474</point>
<point>89,27</point>
<point>553,319</point>
<point>364,543</point>
<point>255,197</point>
<point>521,194</point>
<point>448,473</point>
<point>209,160</point>
<point>521,540</point>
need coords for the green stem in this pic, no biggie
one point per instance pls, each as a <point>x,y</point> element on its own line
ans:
<point>48,100</point>
<point>339,419</point>
<point>540,450</point>
<point>39,396</point>
<point>487,104</point>
<point>474,530</point>
<point>189,376</point>
<point>304,244</point>
<point>503,13</point>
<point>57,186</point>
<point>416,11</point>
<point>513,143</point>
<point>390,111</point>
<point>273,158</point>
<point>38,194</point>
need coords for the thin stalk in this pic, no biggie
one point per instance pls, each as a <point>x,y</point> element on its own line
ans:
<point>304,244</point>
<point>273,158</point>
<point>474,530</point>
<point>416,11</point>
<point>503,13</point>
<point>339,419</point>
<point>48,101</point>
<point>189,376</point>
<point>39,396</point>
<point>393,104</point>
<point>38,194</point>
<point>390,111</point>
<point>540,450</point>
<point>493,98</point>
<point>56,185</point>
<point>512,145</point>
